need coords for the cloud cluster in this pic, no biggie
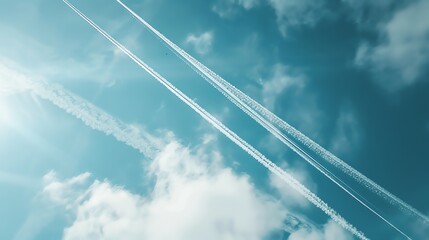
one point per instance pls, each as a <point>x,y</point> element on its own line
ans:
<point>194,198</point>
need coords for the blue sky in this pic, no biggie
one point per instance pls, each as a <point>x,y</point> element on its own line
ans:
<point>351,75</point>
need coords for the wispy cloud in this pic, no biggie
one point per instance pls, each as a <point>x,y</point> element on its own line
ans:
<point>229,8</point>
<point>402,55</point>
<point>367,13</point>
<point>202,43</point>
<point>330,231</point>
<point>291,198</point>
<point>348,133</point>
<point>299,13</point>
<point>281,80</point>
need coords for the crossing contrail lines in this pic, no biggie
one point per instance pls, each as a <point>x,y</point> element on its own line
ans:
<point>269,121</point>
<point>288,178</point>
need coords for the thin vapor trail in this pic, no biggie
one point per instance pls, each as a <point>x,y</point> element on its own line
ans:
<point>266,118</point>
<point>72,104</point>
<point>92,116</point>
<point>230,134</point>
<point>274,130</point>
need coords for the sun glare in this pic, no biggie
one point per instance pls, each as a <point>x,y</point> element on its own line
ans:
<point>5,115</point>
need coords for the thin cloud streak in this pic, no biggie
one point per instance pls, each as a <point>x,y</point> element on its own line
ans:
<point>228,133</point>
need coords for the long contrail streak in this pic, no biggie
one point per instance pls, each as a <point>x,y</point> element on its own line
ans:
<point>93,117</point>
<point>272,129</point>
<point>90,114</point>
<point>230,134</point>
<point>266,118</point>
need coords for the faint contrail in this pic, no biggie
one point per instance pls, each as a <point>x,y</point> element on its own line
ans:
<point>266,118</point>
<point>92,116</point>
<point>230,134</point>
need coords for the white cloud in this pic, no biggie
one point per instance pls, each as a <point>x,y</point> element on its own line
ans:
<point>330,231</point>
<point>301,109</point>
<point>280,81</point>
<point>193,198</point>
<point>348,133</point>
<point>202,43</point>
<point>297,13</point>
<point>228,8</point>
<point>64,192</point>
<point>290,197</point>
<point>403,54</point>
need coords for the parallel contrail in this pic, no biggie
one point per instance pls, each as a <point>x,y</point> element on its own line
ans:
<point>230,134</point>
<point>91,115</point>
<point>272,129</point>
<point>94,117</point>
<point>266,118</point>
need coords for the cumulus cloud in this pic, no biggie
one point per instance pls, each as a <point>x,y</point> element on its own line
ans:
<point>330,231</point>
<point>281,80</point>
<point>202,43</point>
<point>228,8</point>
<point>297,13</point>
<point>402,55</point>
<point>193,198</point>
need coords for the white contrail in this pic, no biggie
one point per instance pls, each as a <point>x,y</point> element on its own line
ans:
<point>267,118</point>
<point>230,134</point>
<point>87,112</point>
<point>90,115</point>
